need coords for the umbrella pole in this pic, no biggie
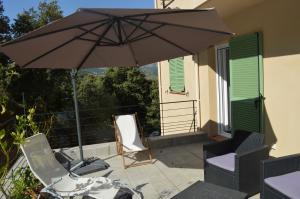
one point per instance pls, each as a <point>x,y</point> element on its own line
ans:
<point>84,166</point>
<point>73,76</point>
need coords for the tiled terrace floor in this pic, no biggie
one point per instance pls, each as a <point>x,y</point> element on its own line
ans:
<point>174,169</point>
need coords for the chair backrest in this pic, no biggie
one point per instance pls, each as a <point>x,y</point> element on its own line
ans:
<point>251,142</point>
<point>41,159</point>
<point>129,132</point>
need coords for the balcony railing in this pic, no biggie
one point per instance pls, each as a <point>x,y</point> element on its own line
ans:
<point>178,117</point>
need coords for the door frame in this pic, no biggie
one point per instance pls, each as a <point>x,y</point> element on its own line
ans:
<point>261,84</point>
<point>220,105</point>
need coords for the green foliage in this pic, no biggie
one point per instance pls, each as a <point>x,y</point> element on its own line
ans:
<point>153,116</point>
<point>7,73</point>
<point>130,87</point>
<point>25,125</point>
<point>4,25</point>
<point>91,93</point>
<point>26,186</point>
<point>25,22</point>
<point>32,19</point>
<point>9,146</point>
<point>48,89</point>
<point>49,12</point>
<point>97,103</point>
<point>4,33</point>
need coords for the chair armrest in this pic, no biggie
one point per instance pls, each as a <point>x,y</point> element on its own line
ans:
<point>218,148</point>
<point>280,166</point>
<point>247,168</point>
<point>251,159</point>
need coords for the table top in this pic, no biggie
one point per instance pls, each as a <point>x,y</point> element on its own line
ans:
<point>209,191</point>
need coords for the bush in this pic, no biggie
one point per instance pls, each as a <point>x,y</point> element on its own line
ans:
<point>25,185</point>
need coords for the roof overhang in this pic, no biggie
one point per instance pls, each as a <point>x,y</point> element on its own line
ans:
<point>229,7</point>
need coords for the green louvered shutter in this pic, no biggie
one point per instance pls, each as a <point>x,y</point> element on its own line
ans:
<point>176,68</point>
<point>245,61</point>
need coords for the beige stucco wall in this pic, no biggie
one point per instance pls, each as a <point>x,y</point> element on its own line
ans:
<point>199,84</point>
<point>278,20</point>
<point>174,114</point>
<point>182,4</point>
<point>192,72</point>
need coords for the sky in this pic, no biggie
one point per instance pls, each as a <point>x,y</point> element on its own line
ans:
<point>13,7</point>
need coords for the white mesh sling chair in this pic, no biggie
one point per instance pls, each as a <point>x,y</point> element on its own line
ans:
<point>130,138</point>
<point>57,180</point>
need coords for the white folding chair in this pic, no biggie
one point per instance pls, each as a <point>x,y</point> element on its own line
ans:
<point>130,138</point>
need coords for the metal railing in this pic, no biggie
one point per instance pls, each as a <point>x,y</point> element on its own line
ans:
<point>96,124</point>
<point>178,116</point>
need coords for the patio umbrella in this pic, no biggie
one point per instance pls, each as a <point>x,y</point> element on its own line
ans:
<point>115,38</point>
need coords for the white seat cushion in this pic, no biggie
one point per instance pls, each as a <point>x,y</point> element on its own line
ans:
<point>288,184</point>
<point>223,161</point>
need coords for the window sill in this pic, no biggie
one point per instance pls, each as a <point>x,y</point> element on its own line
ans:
<point>178,92</point>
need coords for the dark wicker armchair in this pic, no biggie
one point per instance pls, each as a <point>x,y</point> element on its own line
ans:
<point>235,163</point>
<point>280,178</point>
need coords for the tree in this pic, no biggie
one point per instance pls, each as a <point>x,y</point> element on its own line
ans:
<point>129,86</point>
<point>133,90</point>
<point>50,89</point>
<point>49,12</point>
<point>4,32</point>
<point>25,22</point>
<point>32,19</point>
<point>153,109</point>
<point>93,100</point>
<point>4,25</point>
<point>6,70</point>
<point>10,141</point>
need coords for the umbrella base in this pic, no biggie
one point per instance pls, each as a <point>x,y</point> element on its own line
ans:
<point>87,166</point>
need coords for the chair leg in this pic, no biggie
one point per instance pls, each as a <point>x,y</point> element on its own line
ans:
<point>150,154</point>
<point>123,159</point>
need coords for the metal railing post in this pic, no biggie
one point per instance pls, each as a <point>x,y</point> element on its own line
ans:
<point>194,119</point>
<point>162,118</point>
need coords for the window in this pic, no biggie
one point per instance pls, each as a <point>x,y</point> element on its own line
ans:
<point>176,69</point>
<point>223,83</point>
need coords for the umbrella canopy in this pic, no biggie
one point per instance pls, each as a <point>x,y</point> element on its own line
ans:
<point>117,37</point>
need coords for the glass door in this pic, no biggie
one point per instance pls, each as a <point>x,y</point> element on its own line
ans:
<point>223,84</point>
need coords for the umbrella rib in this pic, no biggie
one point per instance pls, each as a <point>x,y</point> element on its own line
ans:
<point>171,12</point>
<point>141,36</point>
<point>83,29</point>
<point>116,33</point>
<point>95,34</point>
<point>143,14</point>
<point>183,26</point>
<point>161,38</point>
<point>134,30</point>
<point>52,32</point>
<point>104,42</point>
<point>95,45</point>
<point>90,40</point>
<point>119,32</point>
<point>131,49</point>
<point>61,45</point>
<point>166,5</point>
<point>95,12</point>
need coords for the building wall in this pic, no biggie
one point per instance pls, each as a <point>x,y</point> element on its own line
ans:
<point>278,20</point>
<point>192,90</point>
<point>182,4</point>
